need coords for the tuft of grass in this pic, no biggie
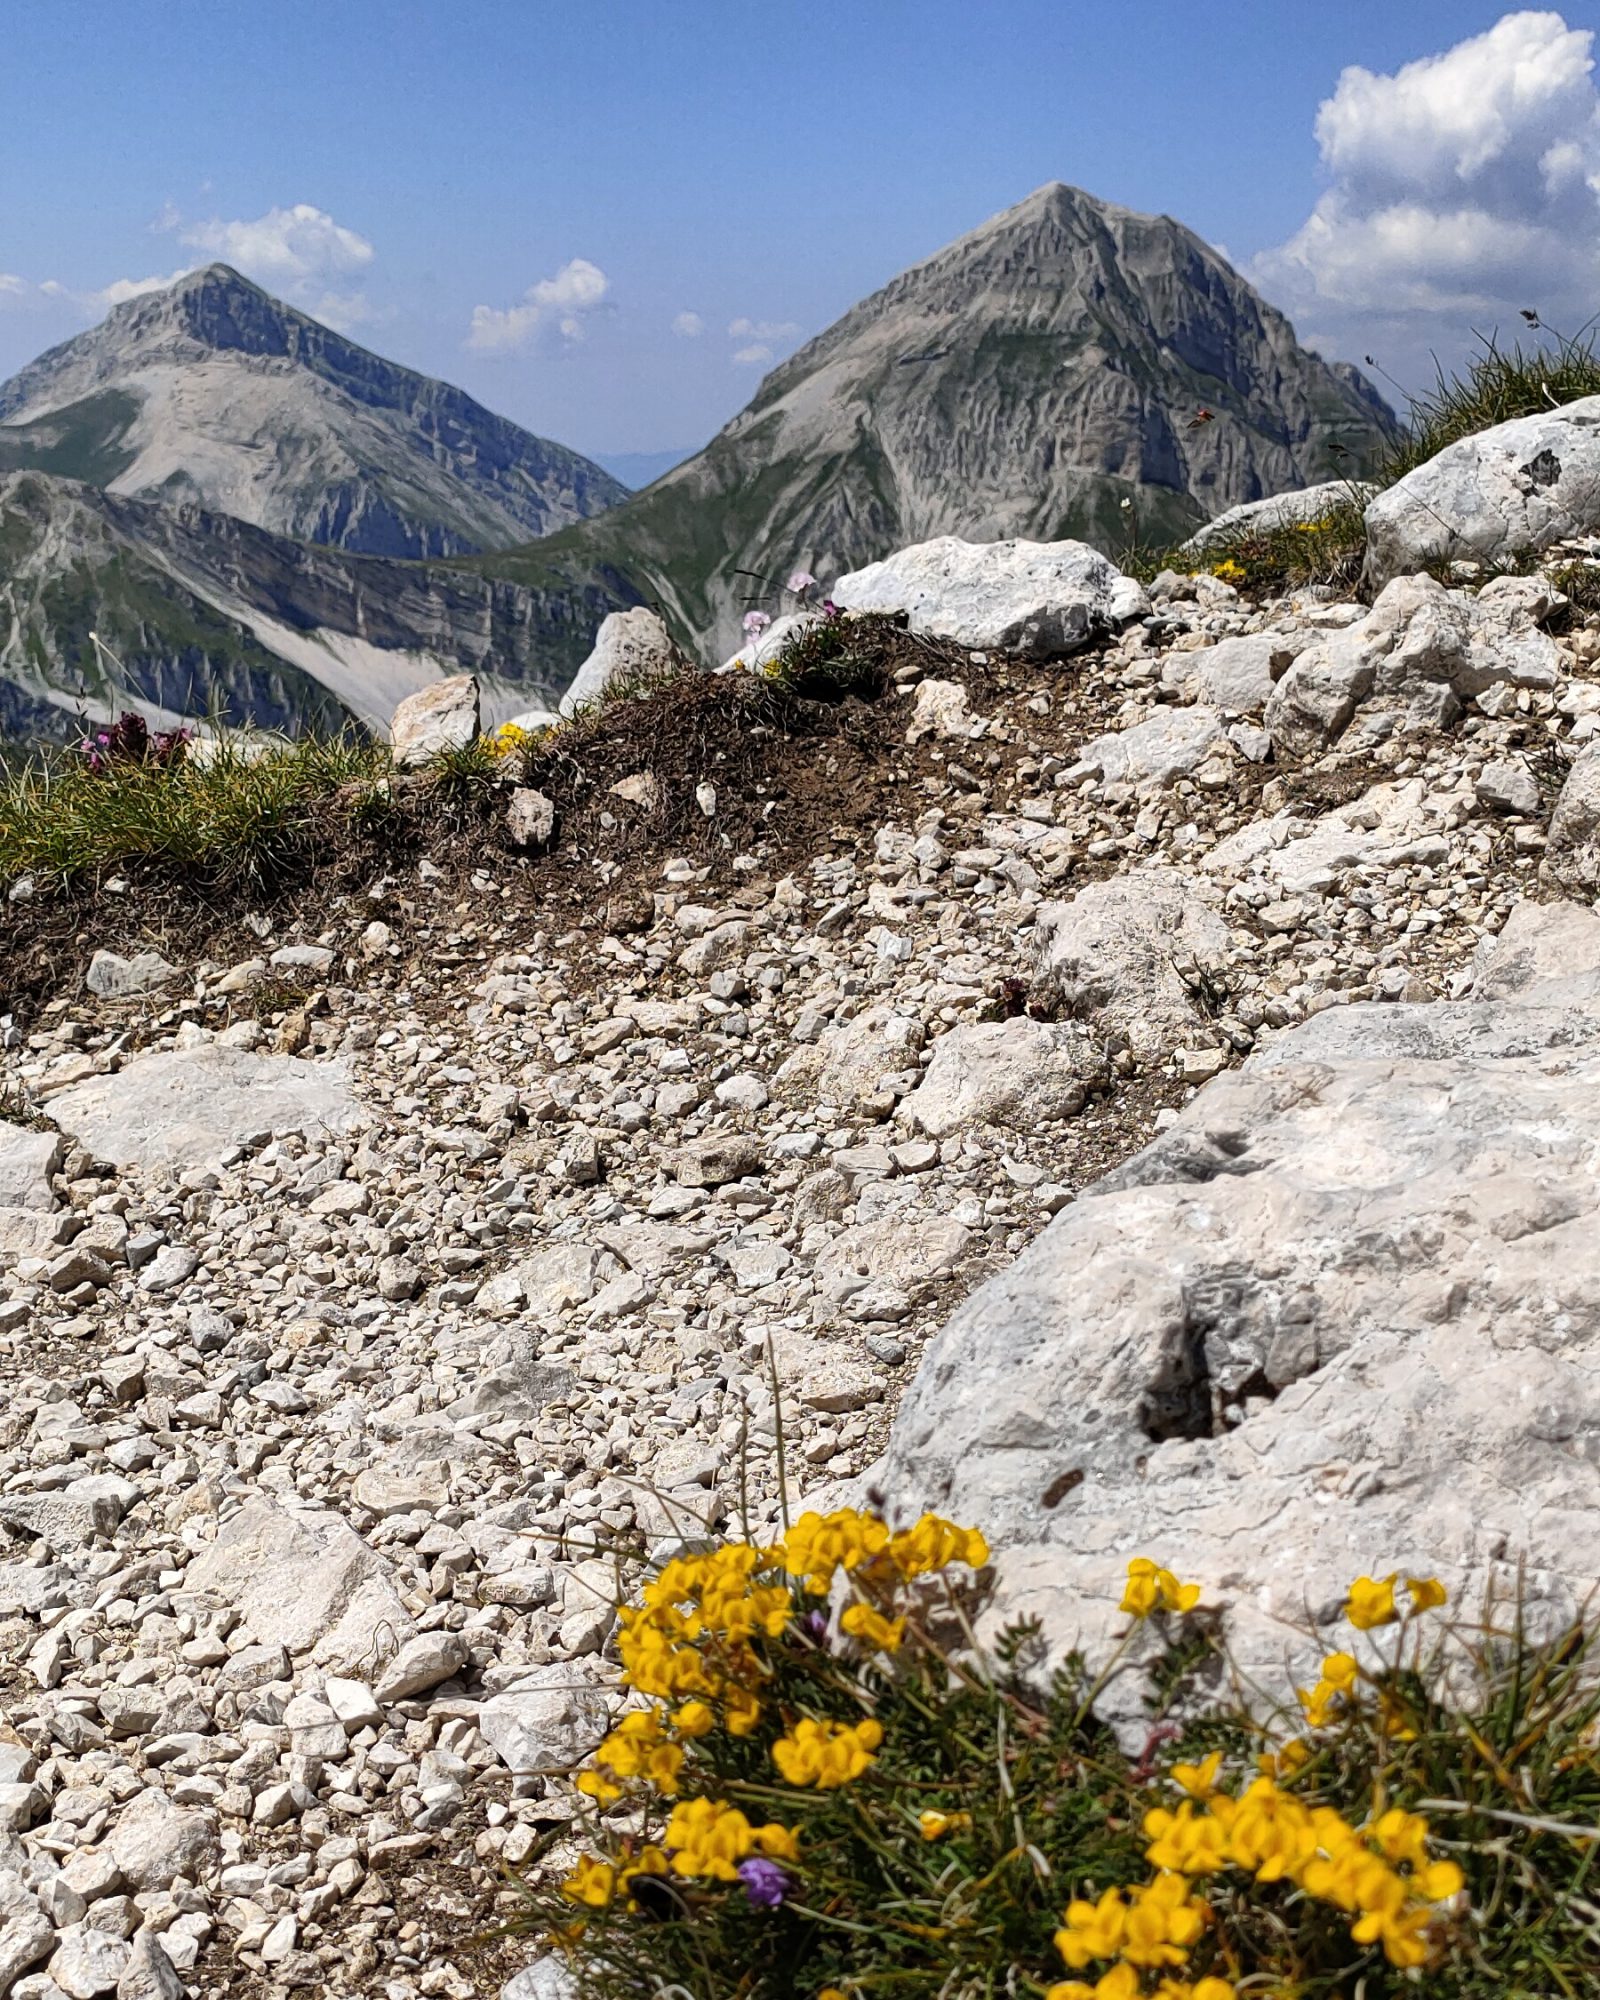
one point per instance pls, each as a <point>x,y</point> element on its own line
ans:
<point>1497,385</point>
<point>839,656</point>
<point>237,811</point>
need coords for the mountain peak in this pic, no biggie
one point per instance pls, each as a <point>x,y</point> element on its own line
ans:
<point>173,392</point>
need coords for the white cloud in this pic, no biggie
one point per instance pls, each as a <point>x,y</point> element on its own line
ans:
<point>120,290</point>
<point>577,289</point>
<point>286,248</point>
<point>1463,186</point>
<point>762,329</point>
<point>690,325</point>
<point>11,286</point>
<point>749,357</point>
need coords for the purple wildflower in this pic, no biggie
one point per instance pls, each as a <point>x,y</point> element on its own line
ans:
<point>755,623</point>
<point>765,1883</point>
<point>801,582</point>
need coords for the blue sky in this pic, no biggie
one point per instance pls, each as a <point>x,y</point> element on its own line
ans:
<point>649,200</point>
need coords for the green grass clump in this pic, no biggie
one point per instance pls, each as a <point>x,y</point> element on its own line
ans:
<point>841,654</point>
<point>1497,385</point>
<point>823,1788</point>
<point>236,810</point>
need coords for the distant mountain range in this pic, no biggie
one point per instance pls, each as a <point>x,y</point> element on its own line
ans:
<point>207,481</point>
<point>215,393</point>
<point>1066,357</point>
<point>105,601</point>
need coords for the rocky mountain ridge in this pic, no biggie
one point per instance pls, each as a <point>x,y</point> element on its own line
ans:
<point>1069,369</point>
<point>212,392</point>
<point>109,603</point>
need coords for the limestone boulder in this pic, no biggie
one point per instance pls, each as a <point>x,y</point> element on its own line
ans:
<point>1504,492</point>
<point>1236,675</point>
<point>1572,856</point>
<point>1040,599</point>
<point>305,1580</point>
<point>851,1058</point>
<point>1171,743</point>
<point>180,1108</point>
<point>112,977</point>
<point>1315,1329</point>
<point>630,648</point>
<point>548,1722</point>
<point>1006,1073</point>
<point>437,719</point>
<point>1124,956</point>
<point>27,1160</point>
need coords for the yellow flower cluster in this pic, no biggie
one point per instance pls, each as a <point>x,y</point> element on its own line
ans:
<point>1340,1672</point>
<point>827,1754</point>
<point>1122,1982</point>
<point>1369,1605</point>
<point>818,1546</point>
<point>1229,571</point>
<point>509,738</point>
<point>691,1633</point>
<point>1371,1600</point>
<point>1151,1588</point>
<point>639,1747</point>
<point>872,1628</point>
<point>709,1839</point>
<point>1152,1926</point>
<point>1278,1838</point>
<point>594,1882</point>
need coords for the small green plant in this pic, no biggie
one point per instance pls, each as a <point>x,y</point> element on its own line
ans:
<point>823,1788</point>
<point>840,654</point>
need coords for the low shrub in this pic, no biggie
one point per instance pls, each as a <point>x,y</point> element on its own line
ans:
<point>822,1788</point>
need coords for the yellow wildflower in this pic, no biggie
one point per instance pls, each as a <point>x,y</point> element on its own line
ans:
<point>818,1545</point>
<point>861,1621</point>
<point>1341,1671</point>
<point>933,1544</point>
<point>1151,1588</point>
<point>593,1882</point>
<point>827,1754</point>
<point>1199,1780</point>
<point>1427,1593</point>
<point>1187,1842</point>
<point>934,1825</point>
<point>1371,1602</point>
<point>707,1838</point>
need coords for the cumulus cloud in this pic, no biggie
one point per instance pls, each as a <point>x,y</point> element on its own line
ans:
<point>286,248</point>
<point>690,325</point>
<point>562,302</point>
<point>1463,186</point>
<point>299,252</point>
